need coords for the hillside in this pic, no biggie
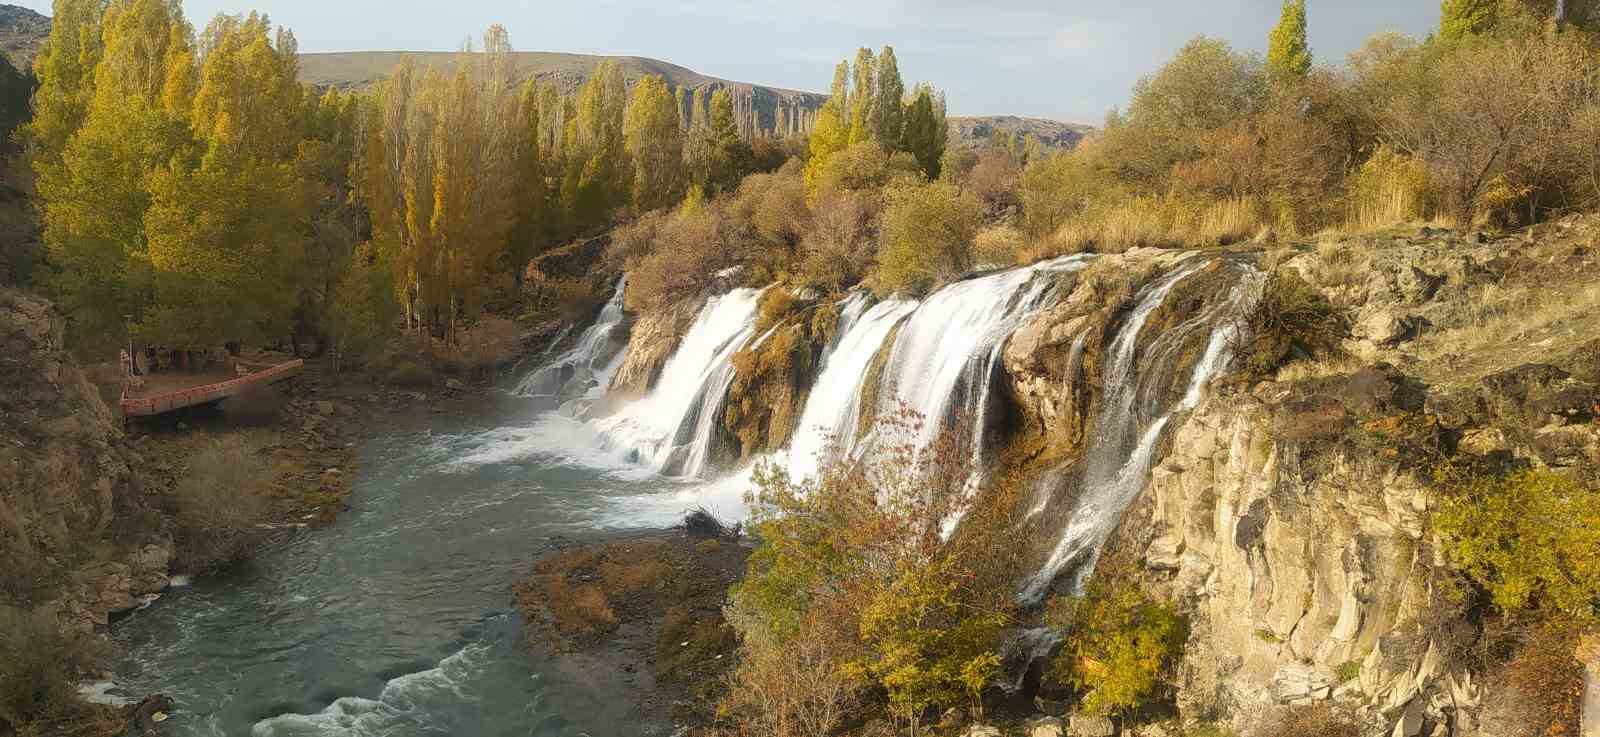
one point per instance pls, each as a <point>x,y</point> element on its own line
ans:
<point>975,131</point>
<point>22,32</point>
<point>360,69</point>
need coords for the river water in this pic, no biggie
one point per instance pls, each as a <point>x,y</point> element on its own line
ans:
<point>396,619</point>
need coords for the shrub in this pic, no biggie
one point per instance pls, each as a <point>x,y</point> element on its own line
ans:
<point>39,661</point>
<point>1292,321</point>
<point>853,585</point>
<point>1055,189</point>
<point>1389,189</point>
<point>1319,720</point>
<point>994,179</point>
<point>219,502</point>
<point>1531,539</point>
<point>690,248</point>
<point>1000,245</point>
<point>838,252</point>
<point>927,237</point>
<point>364,312</point>
<point>863,166</point>
<point>1548,681</point>
<point>1120,645</point>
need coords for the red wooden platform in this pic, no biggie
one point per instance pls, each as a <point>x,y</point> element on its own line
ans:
<point>169,401</point>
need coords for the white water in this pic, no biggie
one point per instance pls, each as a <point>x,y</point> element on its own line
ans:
<point>586,367</point>
<point>1116,476</point>
<point>657,431</point>
<point>834,407</point>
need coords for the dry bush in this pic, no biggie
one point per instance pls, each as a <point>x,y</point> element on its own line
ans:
<point>838,252</point>
<point>1547,680</point>
<point>570,299</point>
<point>999,245</point>
<point>495,341</point>
<point>690,247</point>
<point>1292,321</point>
<point>1229,221</point>
<point>1389,189</point>
<point>995,178</point>
<point>1320,720</point>
<point>795,690</point>
<point>219,502</point>
<point>39,662</point>
<point>776,207</point>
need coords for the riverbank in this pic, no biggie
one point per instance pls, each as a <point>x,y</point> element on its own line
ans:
<point>640,616</point>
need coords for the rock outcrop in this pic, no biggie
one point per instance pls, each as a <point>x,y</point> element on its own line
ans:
<point>77,532</point>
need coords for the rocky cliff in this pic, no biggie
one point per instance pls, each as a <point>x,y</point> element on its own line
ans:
<point>78,533</point>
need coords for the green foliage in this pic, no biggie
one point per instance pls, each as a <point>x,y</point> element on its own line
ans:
<point>1119,647</point>
<point>923,647</point>
<point>851,574</point>
<point>927,237</point>
<point>598,178</point>
<point>655,145</point>
<point>1532,539</point>
<point>364,310</point>
<point>1460,19</point>
<point>1292,320</point>
<point>1288,56</point>
<point>925,131</point>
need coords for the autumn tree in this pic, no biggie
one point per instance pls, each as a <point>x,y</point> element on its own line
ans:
<point>655,145</point>
<point>226,225</point>
<point>925,130</point>
<point>863,98</point>
<point>831,134</point>
<point>1459,19</point>
<point>93,180</point>
<point>65,69</point>
<point>889,109</point>
<point>533,214</point>
<point>1288,55</point>
<point>439,180</point>
<point>730,154</point>
<point>598,177</point>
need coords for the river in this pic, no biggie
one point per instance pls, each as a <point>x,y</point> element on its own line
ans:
<point>396,619</point>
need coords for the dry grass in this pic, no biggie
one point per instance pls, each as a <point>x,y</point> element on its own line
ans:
<point>220,500</point>
<point>1308,370</point>
<point>1498,324</point>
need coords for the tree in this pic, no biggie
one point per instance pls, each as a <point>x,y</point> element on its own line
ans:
<point>730,154</point>
<point>94,188</point>
<point>925,133</point>
<point>1459,19</point>
<point>598,178</point>
<point>655,145</point>
<point>831,134</point>
<point>1288,56</point>
<point>533,213</point>
<point>863,98</point>
<point>1119,646</point>
<point>65,67</point>
<point>889,109</point>
<point>226,228</point>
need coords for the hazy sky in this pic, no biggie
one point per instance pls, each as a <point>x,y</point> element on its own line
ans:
<point>1064,59</point>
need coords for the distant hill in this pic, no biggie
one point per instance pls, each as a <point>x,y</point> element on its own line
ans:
<point>22,32</point>
<point>978,131</point>
<point>361,69</point>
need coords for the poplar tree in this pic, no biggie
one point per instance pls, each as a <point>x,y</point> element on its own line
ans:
<point>226,226</point>
<point>93,181</point>
<point>1288,55</point>
<point>532,218</point>
<point>654,142</point>
<point>598,177</point>
<point>863,96</point>
<point>65,70</point>
<point>730,153</point>
<point>925,130</point>
<point>889,110</point>
<point>831,132</point>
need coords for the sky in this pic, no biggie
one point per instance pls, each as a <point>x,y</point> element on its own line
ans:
<point>1064,59</point>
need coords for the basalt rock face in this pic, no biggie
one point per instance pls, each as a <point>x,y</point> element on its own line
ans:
<point>1302,552</point>
<point>77,533</point>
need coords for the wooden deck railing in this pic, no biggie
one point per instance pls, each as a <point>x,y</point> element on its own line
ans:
<point>157,404</point>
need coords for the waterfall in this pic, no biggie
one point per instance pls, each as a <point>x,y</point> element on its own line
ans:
<point>587,366</point>
<point>943,362</point>
<point>662,429</point>
<point>833,408</point>
<point>1123,451</point>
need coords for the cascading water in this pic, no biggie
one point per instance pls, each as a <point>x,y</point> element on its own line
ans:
<point>833,408</point>
<point>1119,461</point>
<point>586,367</point>
<point>659,430</point>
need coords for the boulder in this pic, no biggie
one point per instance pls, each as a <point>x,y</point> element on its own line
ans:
<point>1084,725</point>
<point>1046,727</point>
<point>981,730</point>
